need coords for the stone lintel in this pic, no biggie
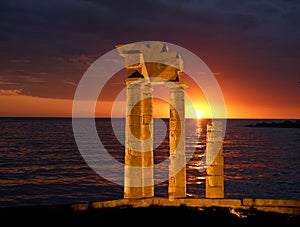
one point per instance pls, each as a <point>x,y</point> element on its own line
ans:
<point>173,84</point>
<point>135,81</point>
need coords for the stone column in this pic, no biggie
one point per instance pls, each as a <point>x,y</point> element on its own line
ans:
<point>177,165</point>
<point>214,161</point>
<point>138,175</point>
<point>147,140</point>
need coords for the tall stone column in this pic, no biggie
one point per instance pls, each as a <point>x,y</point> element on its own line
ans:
<point>147,140</point>
<point>177,165</point>
<point>138,175</point>
<point>215,160</point>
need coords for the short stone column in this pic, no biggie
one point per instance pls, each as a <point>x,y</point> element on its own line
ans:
<point>139,159</point>
<point>177,165</point>
<point>214,161</point>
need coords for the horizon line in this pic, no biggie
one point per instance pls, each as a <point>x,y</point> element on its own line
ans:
<point>203,118</point>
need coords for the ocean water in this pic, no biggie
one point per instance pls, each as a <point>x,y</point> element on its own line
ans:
<point>40,163</point>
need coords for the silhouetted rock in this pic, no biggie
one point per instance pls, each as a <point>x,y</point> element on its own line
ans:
<point>153,215</point>
<point>283,124</point>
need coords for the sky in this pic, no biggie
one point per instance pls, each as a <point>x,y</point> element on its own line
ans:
<point>251,47</point>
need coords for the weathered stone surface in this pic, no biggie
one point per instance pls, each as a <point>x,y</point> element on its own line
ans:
<point>215,181</point>
<point>214,192</point>
<point>177,166</point>
<point>151,60</point>
<point>215,170</point>
<point>214,187</point>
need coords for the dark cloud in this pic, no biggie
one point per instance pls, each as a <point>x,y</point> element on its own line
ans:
<point>57,40</point>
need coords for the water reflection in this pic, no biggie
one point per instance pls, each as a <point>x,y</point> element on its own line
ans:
<point>39,166</point>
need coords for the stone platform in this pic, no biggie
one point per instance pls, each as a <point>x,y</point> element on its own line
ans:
<point>159,211</point>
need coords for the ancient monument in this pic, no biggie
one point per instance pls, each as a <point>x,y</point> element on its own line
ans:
<point>142,75</point>
<point>214,187</point>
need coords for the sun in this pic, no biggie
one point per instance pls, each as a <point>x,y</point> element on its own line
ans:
<point>199,114</point>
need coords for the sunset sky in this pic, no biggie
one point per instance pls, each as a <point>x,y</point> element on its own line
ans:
<point>252,47</point>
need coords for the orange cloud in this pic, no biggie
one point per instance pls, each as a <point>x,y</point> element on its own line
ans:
<point>10,92</point>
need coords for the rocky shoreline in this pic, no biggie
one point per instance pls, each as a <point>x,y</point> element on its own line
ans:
<point>283,124</point>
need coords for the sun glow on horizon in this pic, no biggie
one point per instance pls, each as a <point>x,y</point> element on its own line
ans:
<point>199,114</point>
<point>14,104</point>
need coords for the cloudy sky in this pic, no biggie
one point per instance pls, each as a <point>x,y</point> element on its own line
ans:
<point>252,47</point>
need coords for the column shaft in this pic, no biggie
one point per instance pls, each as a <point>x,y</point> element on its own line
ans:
<point>215,161</point>
<point>177,165</point>
<point>147,140</point>
<point>138,182</point>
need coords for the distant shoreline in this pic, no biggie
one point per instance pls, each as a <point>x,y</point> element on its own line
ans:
<point>283,124</point>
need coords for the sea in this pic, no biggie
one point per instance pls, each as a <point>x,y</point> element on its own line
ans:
<point>42,164</point>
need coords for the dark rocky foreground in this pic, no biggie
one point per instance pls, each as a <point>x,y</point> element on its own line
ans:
<point>64,215</point>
